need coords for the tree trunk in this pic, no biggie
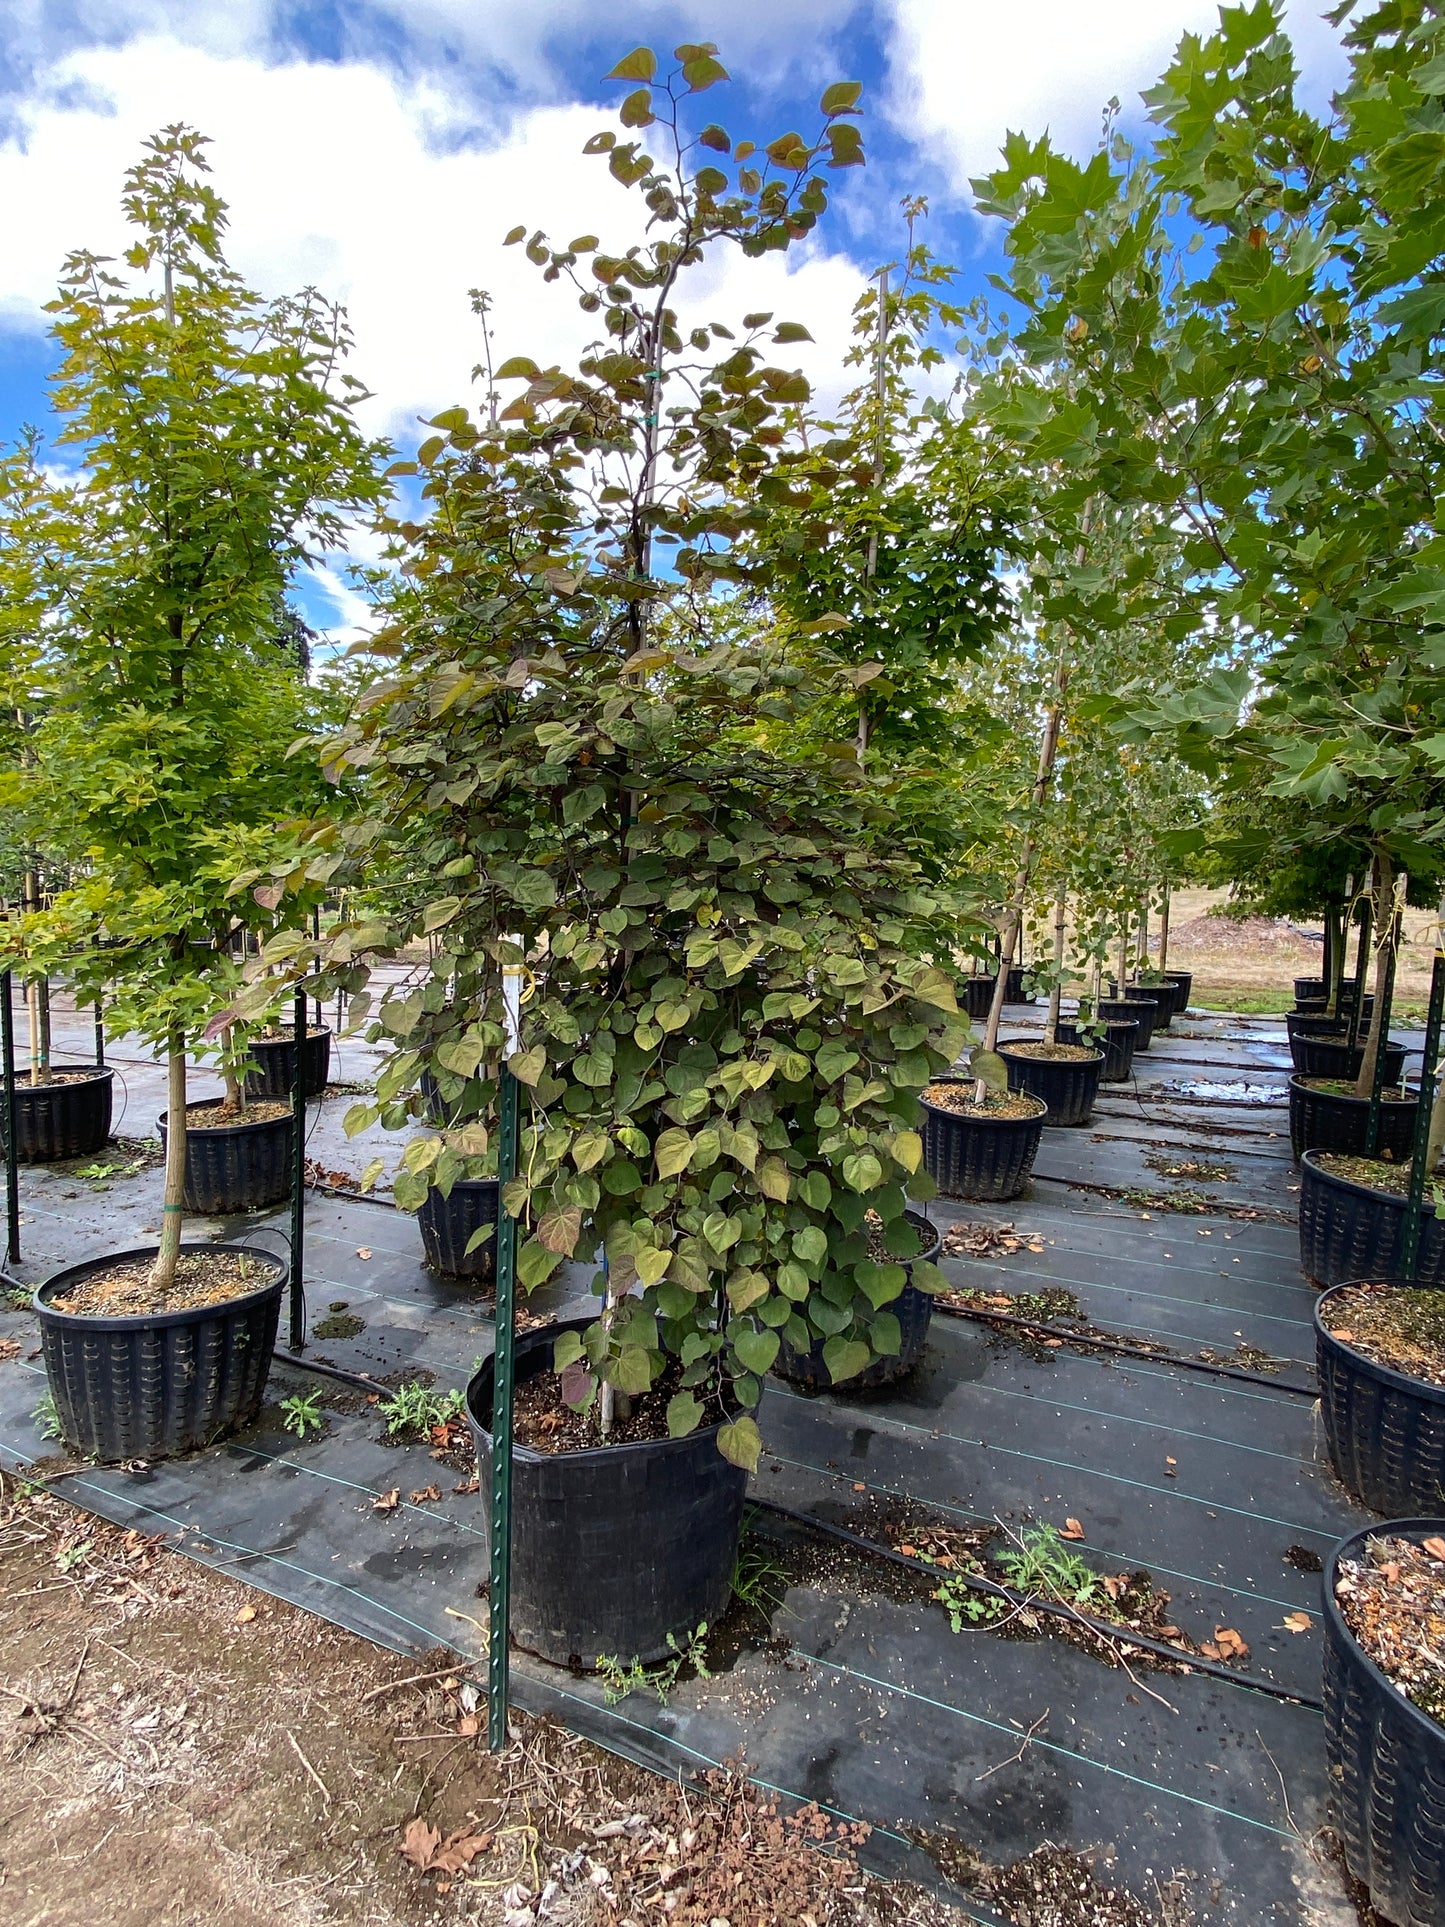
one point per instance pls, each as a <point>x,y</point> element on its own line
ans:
<point>32,1012</point>
<point>43,1003</point>
<point>1144,935</point>
<point>163,1271</point>
<point>1386,938</point>
<point>1056,993</point>
<point>1164,932</point>
<point>1437,1130</point>
<point>1123,953</point>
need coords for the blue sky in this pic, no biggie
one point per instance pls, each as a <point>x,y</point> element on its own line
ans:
<point>382,150</point>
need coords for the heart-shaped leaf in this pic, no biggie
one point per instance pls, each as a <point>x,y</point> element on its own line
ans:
<point>741,1443</point>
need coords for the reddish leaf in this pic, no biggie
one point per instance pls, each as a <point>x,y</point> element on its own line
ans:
<point>1435,1547</point>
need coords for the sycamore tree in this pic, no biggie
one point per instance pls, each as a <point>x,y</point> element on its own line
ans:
<point>589,762</point>
<point>1250,315</point>
<point>218,453</point>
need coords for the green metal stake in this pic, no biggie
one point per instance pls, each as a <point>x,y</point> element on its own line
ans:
<point>499,1616</point>
<point>1429,1071</point>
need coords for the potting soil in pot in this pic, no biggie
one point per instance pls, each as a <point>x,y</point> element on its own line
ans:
<point>1055,1053</point>
<point>959,1097</point>
<point>1393,1601</point>
<point>202,1278</point>
<point>1345,1087</point>
<point>25,1082</point>
<point>1377,1174</point>
<point>542,1421</point>
<point>1402,1326</point>
<point>213,1117</point>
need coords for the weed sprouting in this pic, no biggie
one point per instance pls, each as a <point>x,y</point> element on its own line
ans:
<point>1041,1564</point>
<point>413,1410</point>
<point>618,1681</point>
<point>302,1414</point>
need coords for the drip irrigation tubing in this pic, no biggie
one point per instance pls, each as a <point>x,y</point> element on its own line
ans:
<point>1084,1343</point>
<point>1112,1635</point>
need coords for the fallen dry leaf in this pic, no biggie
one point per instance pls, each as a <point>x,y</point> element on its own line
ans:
<point>1344,1333</point>
<point>419,1841</point>
<point>1435,1547</point>
<point>423,1846</point>
<point>388,1501</point>
<point>363,1251</point>
<point>1072,1530</point>
<point>468,1725</point>
<point>424,1495</point>
<point>9,1347</point>
<point>245,1615</point>
<point>1230,1645</point>
<point>1298,1622</point>
<point>860,1487</point>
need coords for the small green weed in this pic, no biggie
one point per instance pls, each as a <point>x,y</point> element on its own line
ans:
<point>963,1605</point>
<point>618,1681</point>
<point>412,1411</point>
<point>302,1414</point>
<point>69,1557</point>
<point>759,1581</point>
<point>1042,1564</point>
<point>99,1176</point>
<point>17,1297</point>
<point>47,1417</point>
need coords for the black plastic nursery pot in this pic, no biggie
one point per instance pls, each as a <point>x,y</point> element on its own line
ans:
<point>987,1159</point>
<point>1349,1230</point>
<point>168,1382</point>
<point>275,1073</point>
<point>1118,1048</point>
<point>912,1308</point>
<point>1330,1121</point>
<point>1386,1761</point>
<point>1165,997</point>
<point>978,997</point>
<point>236,1167</point>
<point>66,1119</point>
<point>1133,1008</point>
<point>617,1546</point>
<point>1014,988</point>
<point>1334,1057</point>
<point>1313,1023</point>
<point>449,1223</point>
<point>1307,987</point>
<point>1067,1085</point>
<point>1385,1429</point>
<point>1185,981</point>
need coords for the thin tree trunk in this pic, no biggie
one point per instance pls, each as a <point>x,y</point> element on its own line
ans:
<point>32,1012</point>
<point>1144,935</point>
<point>1164,932</point>
<point>1056,994</point>
<point>163,1271</point>
<point>1437,1129</point>
<point>1123,953</point>
<point>1386,937</point>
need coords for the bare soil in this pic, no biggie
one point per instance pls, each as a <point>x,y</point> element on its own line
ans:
<point>215,1117</point>
<point>1061,1053</point>
<point>545,1422</point>
<point>1395,1325</point>
<point>24,1081</point>
<point>202,1278</point>
<point>1393,1601</point>
<point>182,1751</point>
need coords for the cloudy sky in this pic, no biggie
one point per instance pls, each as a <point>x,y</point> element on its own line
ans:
<point>380,149</point>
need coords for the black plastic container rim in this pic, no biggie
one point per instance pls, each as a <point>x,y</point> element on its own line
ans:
<point>593,1454</point>
<point>245,1124</point>
<point>982,1117</point>
<point>153,1320</point>
<point>1030,1056</point>
<point>314,1035</point>
<point>1112,1023</point>
<point>94,1074</point>
<point>464,1184</point>
<point>1305,1080</point>
<point>1427,1729</point>
<point>1389,1375</point>
<point>1362,1190</point>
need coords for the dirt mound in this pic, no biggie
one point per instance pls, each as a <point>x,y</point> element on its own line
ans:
<point>1223,936</point>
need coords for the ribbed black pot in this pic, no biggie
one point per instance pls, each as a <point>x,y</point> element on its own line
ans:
<point>978,994</point>
<point>615,1547</point>
<point>1067,1085</point>
<point>149,1387</point>
<point>1118,1048</point>
<point>1385,1429</point>
<point>987,1159</point>
<point>1325,1121</point>
<point>449,1223</point>
<point>1313,1023</point>
<point>275,1073</point>
<point>236,1167</point>
<point>1134,1007</point>
<point>1305,987</point>
<point>1014,988</point>
<point>1347,1230</point>
<point>66,1120</point>
<point>1333,1057</point>
<point>1386,1761</point>
<point>912,1308</point>
<point>1165,996</point>
<point>1185,981</point>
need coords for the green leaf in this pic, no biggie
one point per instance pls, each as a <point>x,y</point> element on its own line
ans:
<point>926,1276</point>
<point>989,1068</point>
<point>841,97</point>
<point>721,1231</point>
<point>566,1350</point>
<point>438,913</point>
<point>845,1358</point>
<point>787,331</point>
<point>673,1152</point>
<point>846,143</point>
<point>630,1372</point>
<point>589,1148</point>
<point>757,1349</point>
<point>515,235</point>
<point>741,1443</point>
<point>703,72</point>
<point>528,1065</point>
<point>745,1288</point>
<point>906,1149</point>
<point>862,1172</point>
<point>518,366</point>
<point>478,1238</point>
<point>359,1118</point>
<point>651,1263</point>
<point>535,1264</point>
<point>636,110</point>
<point>833,1060</point>
<point>684,1414</point>
<point>811,1244</point>
<point>885,1335</point>
<point>774,1179</point>
<point>640,64</point>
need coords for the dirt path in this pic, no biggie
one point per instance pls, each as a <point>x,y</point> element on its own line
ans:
<point>182,1749</point>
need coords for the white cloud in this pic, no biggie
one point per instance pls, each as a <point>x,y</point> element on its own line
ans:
<point>334,176</point>
<point>965,72</point>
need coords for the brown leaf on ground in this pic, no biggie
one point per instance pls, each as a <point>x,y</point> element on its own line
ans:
<point>9,1347</point>
<point>419,1842</point>
<point>1298,1622</point>
<point>425,1495</point>
<point>1071,1530</point>
<point>245,1615</point>
<point>1435,1547</point>
<point>1230,1645</point>
<point>388,1501</point>
<point>363,1251</point>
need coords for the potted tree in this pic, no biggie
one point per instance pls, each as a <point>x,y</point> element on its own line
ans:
<point>219,450</point>
<point>595,774</point>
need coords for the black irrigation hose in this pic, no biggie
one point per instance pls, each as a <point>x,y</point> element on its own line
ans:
<point>1104,1629</point>
<point>359,1379</point>
<point>1079,1339</point>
